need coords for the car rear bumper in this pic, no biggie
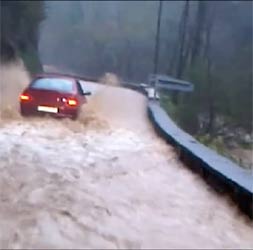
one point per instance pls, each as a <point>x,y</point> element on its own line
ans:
<point>31,110</point>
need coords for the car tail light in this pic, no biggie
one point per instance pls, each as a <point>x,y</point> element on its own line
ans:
<point>25,97</point>
<point>72,102</point>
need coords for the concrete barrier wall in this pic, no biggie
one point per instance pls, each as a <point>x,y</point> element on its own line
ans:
<point>221,173</point>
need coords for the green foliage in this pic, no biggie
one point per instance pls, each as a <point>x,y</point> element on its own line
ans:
<point>216,144</point>
<point>20,22</point>
<point>31,60</point>
<point>230,90</point>
<point>184,116</point>
<point>248,146</point>
<point>169,106</point>
<point>190,104</point>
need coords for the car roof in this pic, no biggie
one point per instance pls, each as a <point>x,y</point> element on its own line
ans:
<point>54,75</point>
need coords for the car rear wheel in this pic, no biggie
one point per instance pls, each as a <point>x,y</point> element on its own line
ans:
<point>75,115</point>
<point>23,112</point>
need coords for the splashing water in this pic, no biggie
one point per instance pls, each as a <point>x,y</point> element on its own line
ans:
<point>105,181</point>
<point>13,79</point>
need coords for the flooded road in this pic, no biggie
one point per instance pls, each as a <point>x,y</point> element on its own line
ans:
<point>106,181</point>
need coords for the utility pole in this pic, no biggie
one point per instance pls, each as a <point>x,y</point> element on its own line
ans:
<point>157,44</point>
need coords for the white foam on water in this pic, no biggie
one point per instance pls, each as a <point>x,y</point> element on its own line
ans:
<point>106,181</point>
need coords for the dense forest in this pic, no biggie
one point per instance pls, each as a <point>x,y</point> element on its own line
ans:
<point>206,42</point>
<point>94,37</point>
<point>20,22</point>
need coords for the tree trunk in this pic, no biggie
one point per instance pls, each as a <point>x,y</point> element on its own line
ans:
<point>199,29</point>
<point>182,36</point>
<point>211,106</point>
<point>173,60</point>
<point>180,52</point>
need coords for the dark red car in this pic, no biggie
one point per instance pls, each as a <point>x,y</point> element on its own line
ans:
<point>52,94</point>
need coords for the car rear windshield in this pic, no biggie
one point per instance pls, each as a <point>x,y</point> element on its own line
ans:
<point>61,85</point>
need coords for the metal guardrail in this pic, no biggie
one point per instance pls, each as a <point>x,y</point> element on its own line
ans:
<point>170,83</point>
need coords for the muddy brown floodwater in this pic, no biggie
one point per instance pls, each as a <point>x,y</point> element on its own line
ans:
<point>106,181</point>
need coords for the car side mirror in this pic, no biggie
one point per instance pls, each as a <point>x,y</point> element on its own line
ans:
<point>86,93</point>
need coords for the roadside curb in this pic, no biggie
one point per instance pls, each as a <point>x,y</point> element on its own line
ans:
<point>222,174</point>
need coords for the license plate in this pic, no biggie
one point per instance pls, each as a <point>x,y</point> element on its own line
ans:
<point>47,109</point>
